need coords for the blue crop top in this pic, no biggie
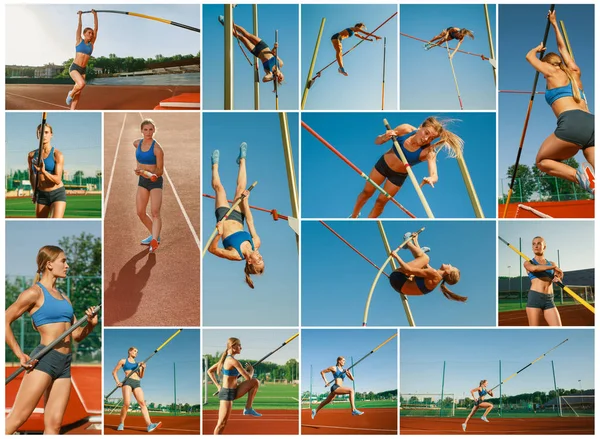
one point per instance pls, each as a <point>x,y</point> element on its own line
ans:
<point>482,392</point>
<point>53,310</point>
<point>127,366</point>
<point>49,162</point>
<point>84,48</point>
<point>235,240</point>
<point>231,372</point>
<point>145,157</point>
<point>339,373</point>
<point>454,34</point>
<point>420,282</point>
<point>544,275</point>
<point>269,64</point>
<point>412,157</point>
<point>350,31</point>
<point>553,94</point>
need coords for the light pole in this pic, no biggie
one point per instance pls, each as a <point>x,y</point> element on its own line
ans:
<point>509,278</point>
<point>581,388</point>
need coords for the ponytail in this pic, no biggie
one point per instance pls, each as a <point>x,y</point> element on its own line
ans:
<point>466,32</point>
<point>447,139</point>
<point>252,269</point>
<point>231,341</point>
<point>451,278</point>
<point>46,254</point>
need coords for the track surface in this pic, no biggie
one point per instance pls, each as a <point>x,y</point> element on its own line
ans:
<point>171,425</point>
<point>570,315</point>
<point>341,422</point>
<point>271,422</point>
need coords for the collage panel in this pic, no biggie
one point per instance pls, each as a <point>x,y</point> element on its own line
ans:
<point>253,166</point>
<point>339,80</point>
<point>536,287</point>
<point>415,138</point>
<point>525,383</point>
<point>541,171</point>
<point>266,399</point>
<point>67,181</point>
<point>432,280</point>
<point>263,46</point>
<point>152,219</point>
<point>139,57</point>
<point>53,296</point>
<point>152,381</point>
<point>447,57</point>
<point>366,403</point>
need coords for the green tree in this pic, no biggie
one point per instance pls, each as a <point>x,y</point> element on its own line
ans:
<point>524,187</point>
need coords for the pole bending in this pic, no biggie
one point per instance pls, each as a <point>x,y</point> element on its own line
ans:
<point>558,282</point>
<point>135,14</point>
<point>535,80</point>
<point>349,163</point>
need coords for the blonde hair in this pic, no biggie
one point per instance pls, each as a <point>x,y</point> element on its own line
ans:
<point>481,382</point>
<point>148,122</point>
<point>252,269</point>
<point>47,253</point>
<point>447,139</point>
<point>555,60</point>
<point>131,349</point>
<point>337,361</point>
<point>39,130</point>
<point>87,29</point>
<point>452,278</point>
<point>231,342</point>
<point>466,32</point>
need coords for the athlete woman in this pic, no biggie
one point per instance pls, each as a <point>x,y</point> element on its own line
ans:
<point>51,314</point>
<point>449,34</point>
<point>50,198</point>
<point>84,46</point>
<point>575,124</point>
<point>134,372</point>
<point>339,373</point>
<point>336,40</point>
<point>229,391</point>
<point>479,403</point>
<point>238,245</point>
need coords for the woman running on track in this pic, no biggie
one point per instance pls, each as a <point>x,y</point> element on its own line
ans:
<point>479,403</point>
<point>336,40</point>
<point>51,197</point>
<point>575,124</point>
<point>84,46</point>
<point>132,385</point>
<point>416,143</point>
<point>339,373</point>
<point>417,277</point>
<point>229,390</point>
<point>449,34</point>
<point>150,168</point>
<point>540,299</point>
<point>271,63</point>
<point>51,315</point>
<point>238,245</point>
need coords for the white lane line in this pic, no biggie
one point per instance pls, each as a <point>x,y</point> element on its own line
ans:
<point>114,164</point>
<point>38,100</point>
<point>348,428</point>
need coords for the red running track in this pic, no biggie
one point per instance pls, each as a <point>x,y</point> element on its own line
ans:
<point>341,422</point>
<point>171,425</point>
<point>556,209</point>
<point>271,422</point>
<point>570,315</point>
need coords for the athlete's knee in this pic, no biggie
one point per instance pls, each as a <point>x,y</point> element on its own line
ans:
<point>52,424</point>
<point>142,404</point>
<point>155,214</point>
<point>126,406</point>
<point>255,382</point>
<point>141,212</point>
<point>381,201</point>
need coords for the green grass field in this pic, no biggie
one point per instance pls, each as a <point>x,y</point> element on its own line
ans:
<point>78,206</point>
<point>514,305</point>
<point>462,413</point>
<point>382,403</point>
<point>269,396</point>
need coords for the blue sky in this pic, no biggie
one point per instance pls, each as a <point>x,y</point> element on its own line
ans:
<point>283,18</point>
<point>574,253</point>
<point>361,89</point>
<point>54,28</point>
<point>472,356</point>
<point>277,289</point>
<point>158,385</point>
<point>256,343</point>
<point>321,347</point>
<point>25,238</point>
<point>522,28</point>
<point>426,80</point>
<point>323,173</point>
<point>77,135</point>
<point>351,277</point>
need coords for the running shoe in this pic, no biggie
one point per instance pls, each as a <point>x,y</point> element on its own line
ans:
<point>356,412</point>
<point>121,427</point>
<point>313,413</point>
<point>483,418</point>
<point>221,19</point>
<point>586,179</point>
<point>464,426</point>
<point>153,427</point>
<point>243,149</point>
<point>342,71</point>
<point>406,236</point>
<point>589,172</point>
<point>214,157</point>
<point>148,240</point>
<point>251,412</point>
<point>153,246</point>
<point>425,249</point>
<point>353,217</point>
<point>69,98</point>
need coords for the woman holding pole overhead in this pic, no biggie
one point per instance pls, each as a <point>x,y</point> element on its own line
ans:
<point>229,390</point>
<point>449,34</point>
<point>336,40</point>
<point>51,314</point>
<point>84,46</point>
<point>416,143</point>
<point>134,372</point>
<point>418,278</point>
<point>575,123</point>
<point>482,392</point>
<point>339,373</point>
<point>238,245</point>
<point>540,299</point>
<point>49,194</point>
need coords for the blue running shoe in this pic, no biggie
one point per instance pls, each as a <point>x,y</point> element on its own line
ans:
<point>69,99</point>
<point>584,175</point>
<point>342,71</point>
<point>148,240</point>
<point>313,414</point>
<point>357,412</point>
<point>221,19</point>
<point>153,427</point>
<point>251,412</point>
<point>121,427</point>
<point>214,157</point>
<point>425,249</point>
<point>243,149</point>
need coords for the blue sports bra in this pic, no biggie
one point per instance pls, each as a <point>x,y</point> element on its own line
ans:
<point>420,282</point>
<point>553,94</point>
<point>53,310</point>
<point>339,373</point>
<point>482,392</point>
<point>49,162</point>
<point>269,64</point>
<point>231,372</point>
<point>412,157</point>
<point>127,366</point>
<point>84,48</point>
<point>544,275</point>
<point>454,34</point>
<point>145,157</point>
<point>236,240</point>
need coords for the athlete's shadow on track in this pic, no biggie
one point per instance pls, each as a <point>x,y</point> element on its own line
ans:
<point>124,294</point>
